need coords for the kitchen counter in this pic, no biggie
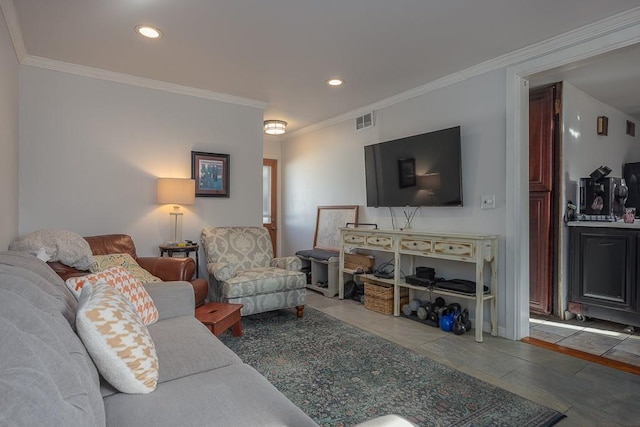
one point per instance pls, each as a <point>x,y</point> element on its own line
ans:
<point>605,224</point>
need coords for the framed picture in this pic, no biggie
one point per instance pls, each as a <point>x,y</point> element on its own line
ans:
<point>211,172</point>
<point>407,172</point>
<point>328,223</point>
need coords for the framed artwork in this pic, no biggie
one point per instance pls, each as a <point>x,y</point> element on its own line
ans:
<point>211,172</point>
<point>328,223</point>
<point>407,172</point>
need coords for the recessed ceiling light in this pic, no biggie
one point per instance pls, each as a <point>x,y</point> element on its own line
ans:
<point>148,31</point>
<point>335,82</point>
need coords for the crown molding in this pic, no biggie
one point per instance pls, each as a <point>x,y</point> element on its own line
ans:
<point>98,73</point>
<point>605,27</point>
<point>11,18</point>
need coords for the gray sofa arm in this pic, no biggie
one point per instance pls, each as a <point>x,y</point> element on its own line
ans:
<point>172,299</point>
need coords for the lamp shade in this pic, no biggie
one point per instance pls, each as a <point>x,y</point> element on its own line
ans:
<point>429,181</point>
<point>176,191</point>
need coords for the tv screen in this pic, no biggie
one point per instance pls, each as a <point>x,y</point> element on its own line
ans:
<point>419,170</point>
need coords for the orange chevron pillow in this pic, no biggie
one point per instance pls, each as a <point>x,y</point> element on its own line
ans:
<point>117,340</point>
<point>120,279</point>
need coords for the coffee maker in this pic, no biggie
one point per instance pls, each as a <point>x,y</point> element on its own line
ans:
<point>603,195</point>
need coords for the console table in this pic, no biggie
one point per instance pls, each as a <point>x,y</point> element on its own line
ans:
<point>470,248</point>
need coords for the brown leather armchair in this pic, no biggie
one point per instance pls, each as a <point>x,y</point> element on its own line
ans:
<point>165,268</point>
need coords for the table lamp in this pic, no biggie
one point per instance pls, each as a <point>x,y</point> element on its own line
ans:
<point>176,191</point>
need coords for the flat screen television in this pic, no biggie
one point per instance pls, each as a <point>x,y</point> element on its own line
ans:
<point>419,170</point>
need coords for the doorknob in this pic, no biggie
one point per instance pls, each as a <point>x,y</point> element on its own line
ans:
<point>273,227</point>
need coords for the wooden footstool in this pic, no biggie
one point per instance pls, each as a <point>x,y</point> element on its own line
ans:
<point>219,316</point>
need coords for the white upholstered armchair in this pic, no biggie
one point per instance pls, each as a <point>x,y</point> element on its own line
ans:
<point>242,270</point>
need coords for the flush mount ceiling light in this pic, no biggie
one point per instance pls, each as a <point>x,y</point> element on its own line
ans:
<point>274,127</point>
<point>148,31</point>
<point>335,82</point>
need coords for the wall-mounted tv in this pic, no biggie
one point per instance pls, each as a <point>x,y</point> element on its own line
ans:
<point>419,170</point>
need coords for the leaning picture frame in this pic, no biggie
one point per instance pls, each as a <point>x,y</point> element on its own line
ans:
<point>328,223</point>
<point>211,173</point>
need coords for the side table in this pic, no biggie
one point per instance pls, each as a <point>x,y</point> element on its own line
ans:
<point>187,249</point>
<point>219,316</point>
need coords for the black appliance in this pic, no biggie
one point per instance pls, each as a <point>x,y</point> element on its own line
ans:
<point>605,196</point>
<point>631,174</point>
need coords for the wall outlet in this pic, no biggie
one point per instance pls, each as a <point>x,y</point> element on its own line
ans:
<point>488,201</point>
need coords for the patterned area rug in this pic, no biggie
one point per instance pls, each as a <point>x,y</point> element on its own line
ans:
<point>341,375</point>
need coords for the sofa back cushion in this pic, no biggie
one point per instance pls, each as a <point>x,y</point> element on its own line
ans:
<point>47,375</point>
<point>35,280</point>
<point>242,248</point>
<point>112,244</point>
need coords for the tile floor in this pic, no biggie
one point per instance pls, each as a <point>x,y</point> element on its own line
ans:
<point>599,337</point>
<point>588,393</point>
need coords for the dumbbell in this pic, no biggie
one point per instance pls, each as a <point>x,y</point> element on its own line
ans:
<point>406,310</point>
<point>422,312</point>
<point>414,304</point>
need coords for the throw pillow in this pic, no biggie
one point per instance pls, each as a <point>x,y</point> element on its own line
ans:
<point>117,340</point>
<point>123,281</point>
<point>123,260</point>
<point>56,245</point>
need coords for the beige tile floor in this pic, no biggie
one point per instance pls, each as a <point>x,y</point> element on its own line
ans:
<point>599,337</point>
<point>589,394</point>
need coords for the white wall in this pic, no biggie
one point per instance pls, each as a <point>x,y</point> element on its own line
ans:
<point>8,138</point>
<point>583,151</point>
<point>91,150</point>
<point>326,167</point>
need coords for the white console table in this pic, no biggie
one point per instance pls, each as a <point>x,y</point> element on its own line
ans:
<point>471,248</point>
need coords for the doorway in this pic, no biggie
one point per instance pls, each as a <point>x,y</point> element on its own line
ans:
<point>270,200</point>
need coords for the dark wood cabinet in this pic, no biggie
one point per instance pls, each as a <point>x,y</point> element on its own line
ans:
<point>604,273</point>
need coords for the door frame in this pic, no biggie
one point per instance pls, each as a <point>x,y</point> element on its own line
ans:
<point>604,36</point>
<point>278,200</point>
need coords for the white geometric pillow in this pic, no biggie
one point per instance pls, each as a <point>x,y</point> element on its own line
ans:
<point>117,340</point>
<point>123,281</point>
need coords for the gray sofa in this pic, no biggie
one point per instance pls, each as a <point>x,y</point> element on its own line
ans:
<point>47,378</point>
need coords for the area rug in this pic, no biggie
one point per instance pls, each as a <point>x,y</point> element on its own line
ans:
<point>341,375</point>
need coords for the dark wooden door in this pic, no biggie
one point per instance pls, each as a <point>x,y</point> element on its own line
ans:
<point>544,113</point>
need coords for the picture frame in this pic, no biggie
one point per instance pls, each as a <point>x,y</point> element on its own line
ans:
<point>407,172</point>
<point>328,223</point>
<point>211,173</point>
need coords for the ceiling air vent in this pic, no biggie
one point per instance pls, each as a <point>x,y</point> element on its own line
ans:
<point>365,121</point>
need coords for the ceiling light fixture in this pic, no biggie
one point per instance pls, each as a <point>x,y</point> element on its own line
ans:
<point>275,127</point>
<point>335,82</point>
<point>148,31</point>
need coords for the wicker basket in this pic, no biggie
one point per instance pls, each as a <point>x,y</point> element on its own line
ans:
<point>379,297</point>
